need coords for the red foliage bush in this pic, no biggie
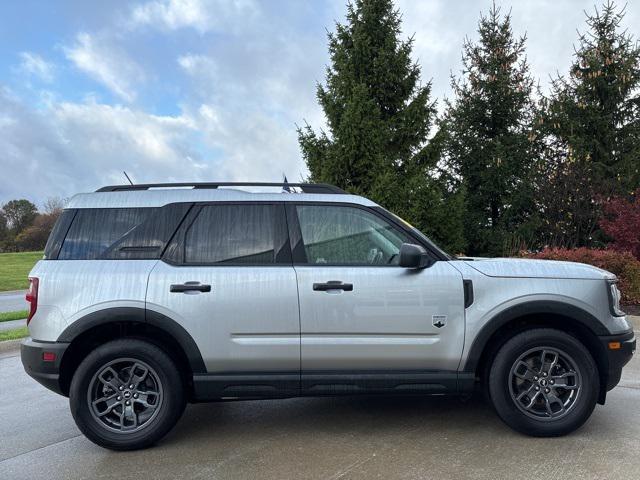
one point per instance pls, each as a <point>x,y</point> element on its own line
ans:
<point>623,264</point>
<point>621,222</point>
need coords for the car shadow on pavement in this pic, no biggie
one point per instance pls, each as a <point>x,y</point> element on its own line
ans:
<point>335,416</point>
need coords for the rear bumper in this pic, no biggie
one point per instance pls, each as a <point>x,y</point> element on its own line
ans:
<point>44,372</point>
<point>618,357</point>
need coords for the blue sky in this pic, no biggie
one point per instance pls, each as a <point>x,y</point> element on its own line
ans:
<point>186,90</point>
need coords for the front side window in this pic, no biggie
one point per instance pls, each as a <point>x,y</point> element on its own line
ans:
<point>342,235</point>
<point>232,234</point>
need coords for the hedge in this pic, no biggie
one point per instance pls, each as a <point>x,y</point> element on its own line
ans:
<point>623,264</point>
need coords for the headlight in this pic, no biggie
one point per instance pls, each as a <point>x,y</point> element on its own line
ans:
<point>614,299</point>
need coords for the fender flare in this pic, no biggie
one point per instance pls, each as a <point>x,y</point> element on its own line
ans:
<point>140,316</point>
<point>536,307</point>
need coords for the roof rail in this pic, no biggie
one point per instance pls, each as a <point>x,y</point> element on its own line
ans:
<point>305,187</point>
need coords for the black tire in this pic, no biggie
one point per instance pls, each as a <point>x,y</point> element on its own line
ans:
<point>162,375</point>
<point>506,383</point>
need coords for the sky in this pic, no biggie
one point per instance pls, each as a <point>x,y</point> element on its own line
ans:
<point>206,90</point>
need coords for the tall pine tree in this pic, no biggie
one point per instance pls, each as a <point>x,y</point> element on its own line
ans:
<point>488,139</point>
<point>592,127</point>
<point>379,116</point>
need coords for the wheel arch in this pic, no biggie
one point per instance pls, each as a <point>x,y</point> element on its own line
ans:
<point>537,314</point>
<point>96,328</point>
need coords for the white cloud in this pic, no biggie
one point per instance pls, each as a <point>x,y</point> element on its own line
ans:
<point>201,15</point>
<point>247,103</point>
<point>257,148</point>
<point>78,147</point>
<point>197,64</point>
<point>239,101</point>
<point>248,94</point>
<point>103,130</point>
<point>107,64</point>
<point>34,64</point>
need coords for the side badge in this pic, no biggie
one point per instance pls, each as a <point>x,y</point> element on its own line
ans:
<point>439,321</point>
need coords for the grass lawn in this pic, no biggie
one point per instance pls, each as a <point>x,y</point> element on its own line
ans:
<point>14,268</point>
<point>6,316</point>
<point>14,334</point>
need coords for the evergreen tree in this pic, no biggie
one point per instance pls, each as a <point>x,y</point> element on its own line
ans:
<point>489,141</point>
<point>379,116</point>
<point>592,125</point>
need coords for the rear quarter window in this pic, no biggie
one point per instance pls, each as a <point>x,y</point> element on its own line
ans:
<point>57,235</point>
<point>94,230</point>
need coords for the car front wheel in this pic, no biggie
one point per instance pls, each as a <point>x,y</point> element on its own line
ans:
<point>544,382</point>
<point>126,394</point>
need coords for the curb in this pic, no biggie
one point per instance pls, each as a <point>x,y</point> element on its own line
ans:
<point>12,292</point>
<point>10,346</point>
<point>17,323</point>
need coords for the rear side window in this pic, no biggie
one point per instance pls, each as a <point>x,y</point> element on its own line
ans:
<point>94,230</point>
<point>235,234</point>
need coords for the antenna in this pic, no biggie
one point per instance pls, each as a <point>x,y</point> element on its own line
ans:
<point>285,186</point>
<point>125,174</point>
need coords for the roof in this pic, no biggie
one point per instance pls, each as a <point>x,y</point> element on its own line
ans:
<point>160,197</point>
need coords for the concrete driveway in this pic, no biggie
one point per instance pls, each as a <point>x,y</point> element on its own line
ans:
<point>13,301</point>
<point>323,438</point>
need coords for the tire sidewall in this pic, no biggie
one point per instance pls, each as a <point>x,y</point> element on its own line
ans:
<point>173,401</point>
<point>499,379</point>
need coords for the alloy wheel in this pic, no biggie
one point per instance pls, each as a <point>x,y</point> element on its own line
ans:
<point>125,395</point>
<point>545,383</point>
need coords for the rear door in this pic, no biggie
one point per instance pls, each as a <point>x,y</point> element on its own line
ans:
<point>227,279</point>
<point>359,310</point>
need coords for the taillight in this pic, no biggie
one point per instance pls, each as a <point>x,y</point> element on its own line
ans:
<point>32,297</point>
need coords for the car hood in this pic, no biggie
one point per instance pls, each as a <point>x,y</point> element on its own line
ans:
<point>527,268</point>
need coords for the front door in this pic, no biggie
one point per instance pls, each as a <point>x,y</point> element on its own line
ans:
<point>359,310</point>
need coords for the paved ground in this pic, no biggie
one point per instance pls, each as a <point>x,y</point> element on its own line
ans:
<point>12,301</point>
<point>326,438</point>
<point>11,324</point>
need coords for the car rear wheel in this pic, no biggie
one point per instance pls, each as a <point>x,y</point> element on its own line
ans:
<point>127,394</point>
<point>544,382</point>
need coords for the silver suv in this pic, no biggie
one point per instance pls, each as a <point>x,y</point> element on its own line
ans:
<point>152,296</point>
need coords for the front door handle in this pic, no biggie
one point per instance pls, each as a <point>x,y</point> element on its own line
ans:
<point>333,285</point>
<point>189,287</point>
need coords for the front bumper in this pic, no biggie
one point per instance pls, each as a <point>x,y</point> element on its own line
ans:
<point>46,372</point>
<point>620,349</point>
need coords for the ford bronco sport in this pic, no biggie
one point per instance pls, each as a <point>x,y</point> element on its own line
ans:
<point>152,296</point>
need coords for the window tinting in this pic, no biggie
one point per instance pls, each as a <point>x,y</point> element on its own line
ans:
<point>148,239</point>
<point>233,234</point>
<point>94,230</point>
<point>340,235</point>
<point>58,233</point>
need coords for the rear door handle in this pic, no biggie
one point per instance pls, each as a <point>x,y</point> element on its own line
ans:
<point>189,287</point>
<point>333,285</point>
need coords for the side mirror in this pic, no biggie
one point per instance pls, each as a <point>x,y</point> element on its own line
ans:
<point>414,256</point>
